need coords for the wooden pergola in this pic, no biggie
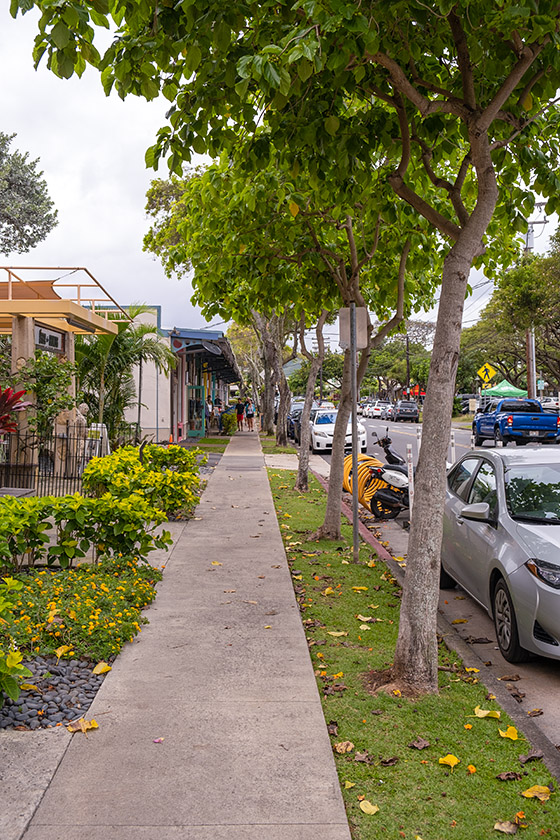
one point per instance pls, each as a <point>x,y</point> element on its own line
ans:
<point>62,298</point>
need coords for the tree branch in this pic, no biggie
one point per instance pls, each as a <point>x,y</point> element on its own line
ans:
<point>443,224</point>
<point>463,60</point>
<point>399,313</point>
<point>528,55</point>
<point>424,106</point>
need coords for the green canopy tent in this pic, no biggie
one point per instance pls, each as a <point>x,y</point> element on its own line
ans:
<point>504,389</point>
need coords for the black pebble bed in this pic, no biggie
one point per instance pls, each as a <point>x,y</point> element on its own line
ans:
<point>64,693</point>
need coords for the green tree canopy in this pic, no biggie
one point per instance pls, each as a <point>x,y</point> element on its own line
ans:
<point>26,211</point>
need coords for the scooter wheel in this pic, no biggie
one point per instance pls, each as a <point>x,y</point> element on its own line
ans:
<point>382,512</point>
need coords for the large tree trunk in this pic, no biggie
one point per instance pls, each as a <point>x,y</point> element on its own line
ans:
<point>415,662</point>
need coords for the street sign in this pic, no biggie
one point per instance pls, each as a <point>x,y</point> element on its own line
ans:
<point>486,372</point>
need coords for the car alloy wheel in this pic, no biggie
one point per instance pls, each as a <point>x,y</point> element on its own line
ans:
<point>505,623</point>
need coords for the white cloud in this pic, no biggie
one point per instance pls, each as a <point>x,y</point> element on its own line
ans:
<point>91,150</point>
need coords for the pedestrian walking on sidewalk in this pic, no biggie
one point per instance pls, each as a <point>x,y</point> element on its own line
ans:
<point>250,414</point>
<point>240,412</point>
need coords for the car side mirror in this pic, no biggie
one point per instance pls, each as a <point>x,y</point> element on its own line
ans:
<point>480,512</point>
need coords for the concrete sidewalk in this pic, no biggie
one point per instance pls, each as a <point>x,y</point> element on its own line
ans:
<point>222,674</point>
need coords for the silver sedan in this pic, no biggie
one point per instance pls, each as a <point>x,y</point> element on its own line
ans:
<point>501,542</point>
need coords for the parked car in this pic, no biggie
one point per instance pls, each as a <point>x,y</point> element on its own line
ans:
<point>293,417</point>
<point>321,425</point>
<point>501,542</point>
<point>405,410</point>
<point>515,420</point>
<point>387,412</point>
<point>378,407</point>
<point>550,403</point>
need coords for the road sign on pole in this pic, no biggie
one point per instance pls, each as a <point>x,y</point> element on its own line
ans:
<point>486,372</point>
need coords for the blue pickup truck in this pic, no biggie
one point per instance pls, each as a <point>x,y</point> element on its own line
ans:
<point>521,421</point>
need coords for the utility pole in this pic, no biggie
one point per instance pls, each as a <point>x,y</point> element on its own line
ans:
<point>407,367</point>
<point>530,333</point>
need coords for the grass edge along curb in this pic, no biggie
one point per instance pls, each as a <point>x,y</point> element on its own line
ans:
<point>393,783</point>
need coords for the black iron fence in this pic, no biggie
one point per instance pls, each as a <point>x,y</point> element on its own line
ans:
<point>45,465</point>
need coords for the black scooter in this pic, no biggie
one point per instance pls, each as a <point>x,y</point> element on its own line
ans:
<point>387,502</point>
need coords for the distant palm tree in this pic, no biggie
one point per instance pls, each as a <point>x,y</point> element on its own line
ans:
<point>106,364</point>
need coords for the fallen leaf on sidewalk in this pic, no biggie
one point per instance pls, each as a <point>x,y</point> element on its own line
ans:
<point>216,563</point>
<point>82,725</point>
<point>535,712</point>
<point>101,668</point>
<point>254,536</point>
<point>510,678</point>
<point>460,621</point>
<point>159,740</point>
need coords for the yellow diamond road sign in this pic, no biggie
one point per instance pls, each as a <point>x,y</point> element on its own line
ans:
<point>486,373</point>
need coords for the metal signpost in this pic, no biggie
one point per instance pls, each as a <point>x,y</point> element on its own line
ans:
<point>353,336</point>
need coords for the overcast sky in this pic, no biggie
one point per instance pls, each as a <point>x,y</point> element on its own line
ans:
<point>91,149</point>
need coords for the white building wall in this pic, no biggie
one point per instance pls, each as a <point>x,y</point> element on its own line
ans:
<point>155,416</point>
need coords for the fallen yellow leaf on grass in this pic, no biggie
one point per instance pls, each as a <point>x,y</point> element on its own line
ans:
<point>328,591</point>
<point>506,827</point>
<point>451,760</point>
<point>82,725</point>
<point>368,808</point>
<point>363,617</point>
<point>484,713</point>
<point>360,588</point>
<point>343,747</point>
<point>345,562</point>
<point>537,791</point>
<point>510,732</point>
<point>101,668</point>
<point>337,632</point>
<point>472,670</point>
<point>348,785</point>
<point>365,626</point>
<point>297,577</point>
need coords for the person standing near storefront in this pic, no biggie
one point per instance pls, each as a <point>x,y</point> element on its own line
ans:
<point>240,412</point>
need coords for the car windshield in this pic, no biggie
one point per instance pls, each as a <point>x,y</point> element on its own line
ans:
<point>533,493</point>
<point>404,404</point>
<point>326,419</point>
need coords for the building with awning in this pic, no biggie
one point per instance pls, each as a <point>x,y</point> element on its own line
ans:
<point>205,369</point>
<point>44,308</point>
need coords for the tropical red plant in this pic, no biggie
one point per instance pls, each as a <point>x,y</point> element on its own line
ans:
<point>10,401</point>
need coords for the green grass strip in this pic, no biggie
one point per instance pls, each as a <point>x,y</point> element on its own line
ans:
<point>418,797</point>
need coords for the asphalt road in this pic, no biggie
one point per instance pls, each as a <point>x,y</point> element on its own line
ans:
<point>537,686</point>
